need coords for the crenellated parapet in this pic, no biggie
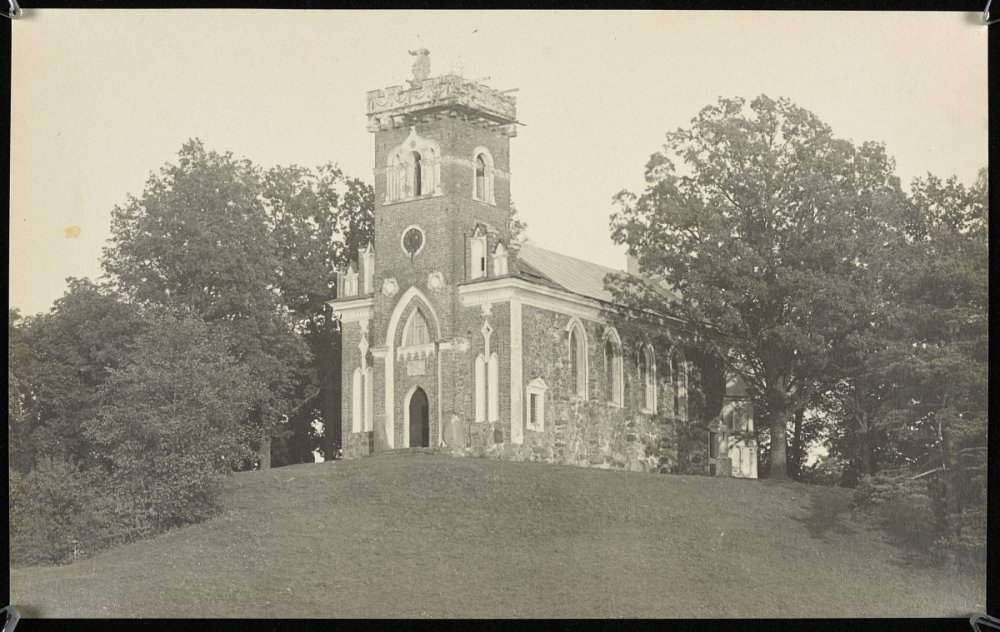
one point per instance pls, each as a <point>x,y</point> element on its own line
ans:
<point>448,95</point>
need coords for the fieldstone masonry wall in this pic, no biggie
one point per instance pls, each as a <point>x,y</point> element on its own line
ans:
<point>590,432</point>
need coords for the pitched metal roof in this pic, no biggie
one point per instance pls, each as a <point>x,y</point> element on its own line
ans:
<point>569,273</point>
<point>576,275</point>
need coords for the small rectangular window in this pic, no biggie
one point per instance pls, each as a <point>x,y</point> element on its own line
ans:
<point>535,404</point>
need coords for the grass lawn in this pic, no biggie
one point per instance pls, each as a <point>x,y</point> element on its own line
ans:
<point>417,535</point>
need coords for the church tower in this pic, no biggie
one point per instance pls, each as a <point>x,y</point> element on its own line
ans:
<point>442,165</point>
<point>442,218</point>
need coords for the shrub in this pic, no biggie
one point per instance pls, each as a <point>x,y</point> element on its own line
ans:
<point>966,540</point>
<point>54,513</point>
<point>912,513</point>
<point>170,427</point>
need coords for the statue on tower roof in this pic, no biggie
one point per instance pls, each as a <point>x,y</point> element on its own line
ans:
<point>421,67</point>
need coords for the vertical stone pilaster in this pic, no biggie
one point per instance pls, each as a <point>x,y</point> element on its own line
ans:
<point>516,375</point>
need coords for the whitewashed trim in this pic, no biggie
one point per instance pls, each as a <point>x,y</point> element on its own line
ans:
<point>354,309</point>
<point>516,375</point>
<point>493,387</point>
<point>537,387</point>
<point>508,288</point>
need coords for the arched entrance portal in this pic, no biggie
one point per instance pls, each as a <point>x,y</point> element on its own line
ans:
<point>419,417</point>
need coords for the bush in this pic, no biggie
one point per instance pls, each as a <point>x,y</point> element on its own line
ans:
<point>54,513</point>
<point>909,512</point>
<point>170,427</point>
<point>966,542</point>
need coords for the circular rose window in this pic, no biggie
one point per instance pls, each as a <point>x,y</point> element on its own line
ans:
<point>413,240</point>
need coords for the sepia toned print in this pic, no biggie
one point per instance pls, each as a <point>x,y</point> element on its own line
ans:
<point>393,326</point>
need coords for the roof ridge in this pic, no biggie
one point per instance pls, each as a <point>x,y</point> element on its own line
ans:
<point>560,254</point>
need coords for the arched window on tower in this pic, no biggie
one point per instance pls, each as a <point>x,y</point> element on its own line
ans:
<point>429,171</point>
<point>647,378</point>
<point>416,175</point>
<point>393,188</point>
<point>413,169</point>
<point>482,184</point>
<point>480,178</point>
<point>477,256</point>
<point>578,359</point>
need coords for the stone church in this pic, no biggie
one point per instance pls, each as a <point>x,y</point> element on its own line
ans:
<point>455,337</point>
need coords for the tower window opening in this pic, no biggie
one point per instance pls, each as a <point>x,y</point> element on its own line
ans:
<point>483,172</point>
<point>480,178</point>
<point>477,256</point>
<point>417,168</point>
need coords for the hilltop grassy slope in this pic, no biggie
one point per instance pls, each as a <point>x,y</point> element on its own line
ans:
<point>416,535</point>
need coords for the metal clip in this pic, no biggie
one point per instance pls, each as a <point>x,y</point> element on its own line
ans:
<point>986,15</point>
<point>977,620</point>
<point>10,615</point>
<point>15,11</point>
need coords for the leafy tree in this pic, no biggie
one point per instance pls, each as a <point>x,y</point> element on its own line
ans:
<point>518,227</point>
<point>252,253</point>
<point>319,220</point>
<point>935,414</point>
<point>927,348</point>
<point>57,362</point>
<point>764,230</point>
<point>170,425</point>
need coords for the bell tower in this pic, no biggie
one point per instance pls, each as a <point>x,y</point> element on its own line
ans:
<point>442,218</point>
<point>442,168</point>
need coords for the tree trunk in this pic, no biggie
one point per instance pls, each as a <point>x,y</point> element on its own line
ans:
<point>779,451</point>
<point>864,452</point>
<point>777,403</point>
<point>264,454</point>
<point>795,452</point>
<point>951,479</point>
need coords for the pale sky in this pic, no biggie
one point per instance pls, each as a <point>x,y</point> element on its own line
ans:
<point>101,98</point>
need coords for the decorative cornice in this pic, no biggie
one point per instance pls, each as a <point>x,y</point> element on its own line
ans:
<point>506,288</point>
<point>447,95</point>
<point>353,309</point>
<point>544,297</point>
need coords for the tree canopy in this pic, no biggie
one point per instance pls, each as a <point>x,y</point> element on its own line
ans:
<point>253,253</point>
<point>132,397</point>
<point>764,222</point>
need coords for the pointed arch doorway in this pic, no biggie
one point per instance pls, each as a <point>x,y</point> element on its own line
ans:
<point>418,419</point>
